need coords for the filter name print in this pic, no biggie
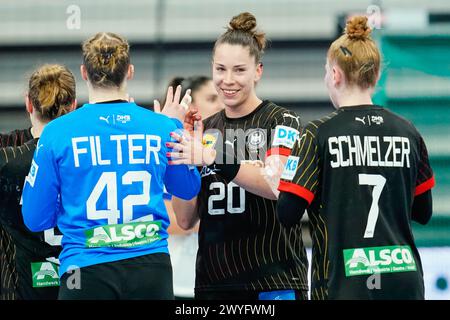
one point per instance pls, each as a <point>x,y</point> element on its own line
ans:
<point>116,149</point>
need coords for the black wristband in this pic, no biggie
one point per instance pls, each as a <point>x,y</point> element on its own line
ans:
<point>226,163</point>
<point>227,171</point>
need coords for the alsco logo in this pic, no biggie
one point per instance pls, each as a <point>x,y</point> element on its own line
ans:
<point>45,274</point>
<point>363,261</point>
<point>124,235</point>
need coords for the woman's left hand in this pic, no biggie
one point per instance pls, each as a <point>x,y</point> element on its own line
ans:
<point>174,108</point>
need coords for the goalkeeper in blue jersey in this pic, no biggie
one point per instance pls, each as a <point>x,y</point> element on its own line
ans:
<point>98,174</point>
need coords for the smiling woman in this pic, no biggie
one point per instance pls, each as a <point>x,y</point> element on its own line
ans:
<point>237,65</point>
<point>244,252</point>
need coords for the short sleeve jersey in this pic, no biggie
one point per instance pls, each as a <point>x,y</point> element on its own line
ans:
<point>242,246</point>
<point>359,169</point>
<point>104,167</point>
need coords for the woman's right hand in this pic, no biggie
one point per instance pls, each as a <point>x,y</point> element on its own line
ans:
<point>189,149</point>
<point>174,108</point>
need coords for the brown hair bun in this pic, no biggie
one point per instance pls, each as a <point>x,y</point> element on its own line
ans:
<point>244,21</point>
<point>106,57</point>
<point>357,28</point>
<point>242,30</point>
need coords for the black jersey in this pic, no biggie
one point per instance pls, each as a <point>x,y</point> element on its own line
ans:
<point>15,138</point>
<point>360,168</point>
<point>29,269</point>
<point>242,246</point>
<point>10,139</point>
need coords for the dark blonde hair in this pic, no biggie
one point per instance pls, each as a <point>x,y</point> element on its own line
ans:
<point>106,57</point>
<point>242,31</point>
<point>357,54</point>
<point>51,90</point>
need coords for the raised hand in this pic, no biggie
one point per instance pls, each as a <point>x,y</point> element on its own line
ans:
<point>156,106</point>
<point>174,108</point>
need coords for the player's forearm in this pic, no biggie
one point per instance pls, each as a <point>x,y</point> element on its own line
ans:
<point>174,228</point>
<point>251,178</point>
<point>290,209</point>
<point>262,181</point>
<point>422,208</point>
<point>185,212</point>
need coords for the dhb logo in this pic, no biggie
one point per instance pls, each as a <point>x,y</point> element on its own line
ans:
<point>123,118</point>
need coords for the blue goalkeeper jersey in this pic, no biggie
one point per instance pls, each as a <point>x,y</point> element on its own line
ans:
<point>98,173</point>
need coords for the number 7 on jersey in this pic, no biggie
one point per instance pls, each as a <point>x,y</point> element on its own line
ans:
<point>378,182</point>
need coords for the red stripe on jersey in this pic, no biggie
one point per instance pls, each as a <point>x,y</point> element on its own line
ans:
<point>278,151</point>
<point>425,186</point>
<point>297,190</point>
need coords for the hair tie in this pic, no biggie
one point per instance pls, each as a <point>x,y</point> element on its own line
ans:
<point>106,57</point>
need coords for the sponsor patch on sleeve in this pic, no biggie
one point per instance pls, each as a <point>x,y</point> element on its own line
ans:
<point>33,173</point>
<point>290,168</point>
<point>285,136</point>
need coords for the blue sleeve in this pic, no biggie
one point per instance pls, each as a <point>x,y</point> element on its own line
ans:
<point>182,181</point>
<point>41,190</point>
<point>177,123</point>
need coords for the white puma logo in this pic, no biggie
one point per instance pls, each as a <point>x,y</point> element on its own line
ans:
<point>104,119</point>
<point>291,116</point>
<point>363,120</point>
<point>231,143</point>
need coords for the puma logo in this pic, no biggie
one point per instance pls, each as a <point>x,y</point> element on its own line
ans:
<point>363,120</point>
<point>293,117</point>
<point>104,119</point>
<point>231,143</point>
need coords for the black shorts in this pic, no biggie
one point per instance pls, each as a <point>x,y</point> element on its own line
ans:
<point>146,277</point>
<point>240,295</point>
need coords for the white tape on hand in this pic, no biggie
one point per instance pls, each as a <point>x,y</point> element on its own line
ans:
<point>187,99</point>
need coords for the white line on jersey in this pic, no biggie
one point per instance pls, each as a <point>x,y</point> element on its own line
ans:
<point>38,147</point>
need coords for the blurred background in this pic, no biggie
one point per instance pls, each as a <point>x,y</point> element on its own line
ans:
<point>174,37</point>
